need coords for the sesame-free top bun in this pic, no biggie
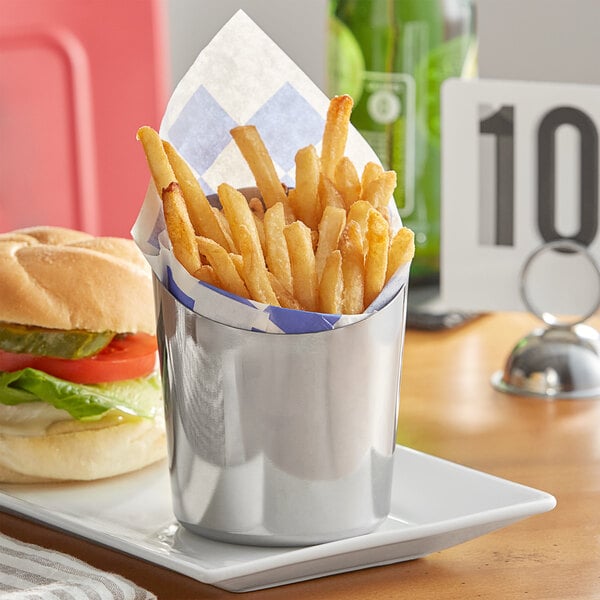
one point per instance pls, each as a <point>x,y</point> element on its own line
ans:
<point>59,278</point>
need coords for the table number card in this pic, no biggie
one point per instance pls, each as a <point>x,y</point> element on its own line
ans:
<point>520,168</point>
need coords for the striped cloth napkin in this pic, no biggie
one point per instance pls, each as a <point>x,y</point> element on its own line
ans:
<point>29,572</point>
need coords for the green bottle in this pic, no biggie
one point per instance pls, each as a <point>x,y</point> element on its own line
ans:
<point>392,56</point>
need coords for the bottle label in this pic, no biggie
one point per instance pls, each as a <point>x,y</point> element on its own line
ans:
<point>390,104</point>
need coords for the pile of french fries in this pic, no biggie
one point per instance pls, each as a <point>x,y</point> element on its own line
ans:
<point>324,245</point>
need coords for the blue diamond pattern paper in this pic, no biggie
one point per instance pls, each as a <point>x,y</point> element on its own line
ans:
<point>304,125</point>
<point>202,131</point>
<point>242,77</point>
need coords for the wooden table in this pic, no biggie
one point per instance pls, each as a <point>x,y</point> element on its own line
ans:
<point>449,409</point>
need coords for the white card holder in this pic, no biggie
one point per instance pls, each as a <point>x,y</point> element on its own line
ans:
<point>520,169</point>
<point>520,181</point>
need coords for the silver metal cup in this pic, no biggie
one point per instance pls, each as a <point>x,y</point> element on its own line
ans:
<point>280,439</point>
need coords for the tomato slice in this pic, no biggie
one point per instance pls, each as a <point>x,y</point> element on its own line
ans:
<point>126,357</point>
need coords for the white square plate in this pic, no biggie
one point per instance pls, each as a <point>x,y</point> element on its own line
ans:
<point>435,504</point>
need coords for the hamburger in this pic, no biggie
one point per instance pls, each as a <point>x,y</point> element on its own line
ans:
<point>80,396</point>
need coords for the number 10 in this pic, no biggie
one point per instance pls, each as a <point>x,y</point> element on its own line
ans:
<point>500,125</point>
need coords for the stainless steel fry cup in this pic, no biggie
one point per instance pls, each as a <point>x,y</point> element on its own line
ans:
<point>280,439</point>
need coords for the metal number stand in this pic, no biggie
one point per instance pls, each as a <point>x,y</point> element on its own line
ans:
<point>561,360</point>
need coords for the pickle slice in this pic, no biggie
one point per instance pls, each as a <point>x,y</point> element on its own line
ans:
<point>52,342</point>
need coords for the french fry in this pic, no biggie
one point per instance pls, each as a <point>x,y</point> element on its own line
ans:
<point>376,258</point>
<point>254,271</point>
<point>223,266</point>
<point>201,215</point>
<point>335,134</point>
<point>379,191</point>
<point>304,198</point>
<point>158,162</point>
<point>384,211</point>
<point>359,212</point>
<point>238,261</point>
<point>180,229</point>
<point>258,210</point>
<point>402,249</point>
<point>207,274</point>
<point>351,248</point>
<point>257,207</point>
<point>277,257</point>
<point>332,285</point>
<point>255,153</point>
<point>302,260</point>
<point>331,226</point>
<point>314,238</point>
<point>224,227</point>
<point>371,171</point>
<point>347,181</point>
<point>260,229</point>
<point>328,194</point>
<point>285,297</point>
<point>238,214</point>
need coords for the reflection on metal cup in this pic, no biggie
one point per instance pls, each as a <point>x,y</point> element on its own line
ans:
<point>280,439</point>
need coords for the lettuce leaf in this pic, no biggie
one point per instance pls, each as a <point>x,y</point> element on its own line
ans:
<point>137,397</point>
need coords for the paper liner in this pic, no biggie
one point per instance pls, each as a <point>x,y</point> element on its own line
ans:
<point>242,77</point>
